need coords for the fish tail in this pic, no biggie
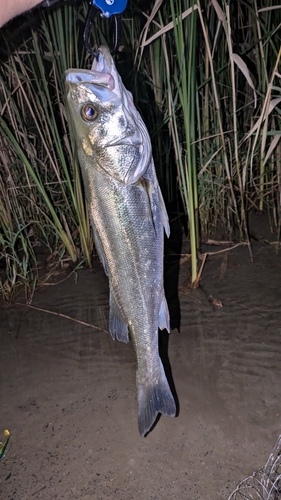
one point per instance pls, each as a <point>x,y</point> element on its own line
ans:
<point>154,398</point>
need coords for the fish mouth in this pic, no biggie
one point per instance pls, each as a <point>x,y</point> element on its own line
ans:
<point>103,63</point>
<point>102,73</point>
<point>99,79</point>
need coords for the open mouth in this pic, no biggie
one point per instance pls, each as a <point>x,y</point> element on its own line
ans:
<point>80,76</point>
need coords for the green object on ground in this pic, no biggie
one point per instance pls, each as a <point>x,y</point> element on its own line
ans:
<point>4,444</point>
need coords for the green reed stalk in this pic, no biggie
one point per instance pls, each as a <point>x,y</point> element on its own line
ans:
<point>55,222</point>
<point>185,86</point>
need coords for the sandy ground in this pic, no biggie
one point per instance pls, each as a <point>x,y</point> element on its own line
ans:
<point>68,392</point>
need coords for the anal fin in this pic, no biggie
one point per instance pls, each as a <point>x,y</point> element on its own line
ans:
<point>164,316</point>
<point>118,327</point>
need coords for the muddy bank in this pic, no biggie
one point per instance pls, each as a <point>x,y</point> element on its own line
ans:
<point>68,391</point>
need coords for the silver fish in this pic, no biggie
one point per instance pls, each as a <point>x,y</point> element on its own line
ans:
<point>128,218</point>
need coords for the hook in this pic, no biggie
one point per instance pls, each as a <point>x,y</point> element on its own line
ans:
<point>88,27</point>
<point>117,33</point>
<point>92,11</point>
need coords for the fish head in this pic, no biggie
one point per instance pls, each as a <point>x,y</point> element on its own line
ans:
<point>106,124</point>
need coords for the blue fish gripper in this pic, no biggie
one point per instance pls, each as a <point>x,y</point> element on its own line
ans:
<point>110,8</point>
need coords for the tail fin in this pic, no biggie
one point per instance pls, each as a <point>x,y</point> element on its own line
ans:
<point>153,399</point>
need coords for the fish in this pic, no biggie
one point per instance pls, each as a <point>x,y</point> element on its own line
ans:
<point>128,219</point>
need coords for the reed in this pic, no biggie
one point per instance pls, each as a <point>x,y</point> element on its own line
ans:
<point>40,178</point>
<point>222,62</point>
<point>206,78</point>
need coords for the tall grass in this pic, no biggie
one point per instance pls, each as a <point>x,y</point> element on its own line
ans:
<point>206,77</point>
<point>40,177</point>
<point>222,61</point>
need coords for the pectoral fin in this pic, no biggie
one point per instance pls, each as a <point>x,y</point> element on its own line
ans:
<point>99,249</point>
<point>164,215</point>
<point>157,204</point>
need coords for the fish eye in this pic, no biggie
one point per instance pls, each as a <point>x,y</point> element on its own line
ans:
<point>89,112</point>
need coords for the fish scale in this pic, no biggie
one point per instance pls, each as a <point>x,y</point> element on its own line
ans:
<point>128,218</point>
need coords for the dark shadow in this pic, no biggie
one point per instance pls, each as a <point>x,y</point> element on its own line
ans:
<point>154,425</point>
<point>172,253</point>
<point>163,352</point>
<point>173,247</point>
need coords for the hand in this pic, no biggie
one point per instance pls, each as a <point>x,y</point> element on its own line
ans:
<point>12,8</point>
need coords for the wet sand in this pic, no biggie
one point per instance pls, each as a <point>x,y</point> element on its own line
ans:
<point>68,392</point>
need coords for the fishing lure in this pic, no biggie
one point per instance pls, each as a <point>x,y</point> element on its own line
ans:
<point>3,444</point>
